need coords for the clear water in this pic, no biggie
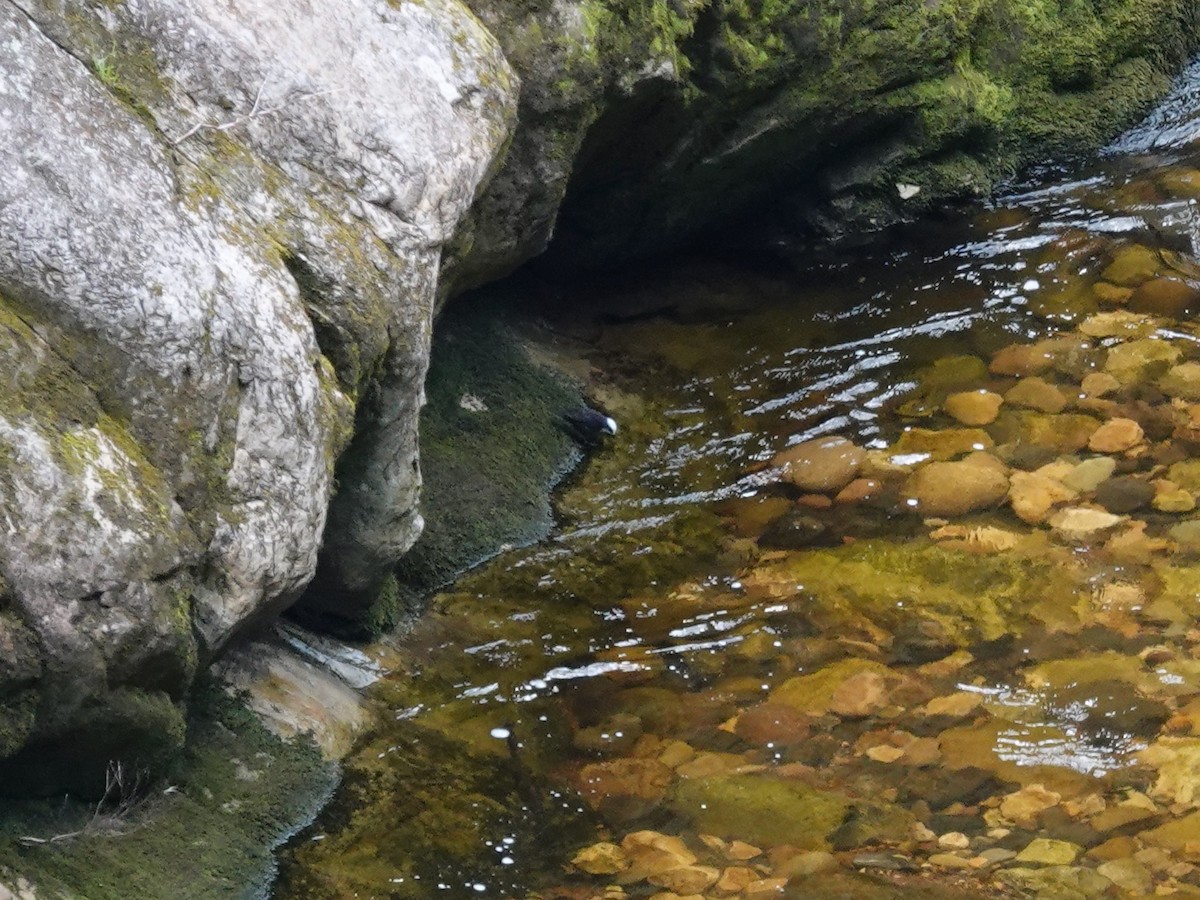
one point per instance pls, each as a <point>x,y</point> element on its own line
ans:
<point>667,662</point>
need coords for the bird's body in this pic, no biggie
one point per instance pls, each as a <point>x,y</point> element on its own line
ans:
<point>588,426</point>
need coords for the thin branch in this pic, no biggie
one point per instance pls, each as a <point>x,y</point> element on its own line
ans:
<point>257,111</point>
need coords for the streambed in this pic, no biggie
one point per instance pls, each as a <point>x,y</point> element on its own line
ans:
<point>956,654</point>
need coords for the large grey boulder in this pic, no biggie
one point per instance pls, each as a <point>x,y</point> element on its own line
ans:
<point>220,230</point>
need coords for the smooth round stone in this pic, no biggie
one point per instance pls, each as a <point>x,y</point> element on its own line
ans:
<point>1116,436</point>
<point>1036,393</point>
<point>955,488</point>
<point>1179,182</point>
<point>974,407</point>
<point>1139,360</point>
<point>1025,456</point>
<point>1021,360</point>
<point>1132,265</point>
<point>1187,534</point>
<point>1032,495</point>
<point>1119,323</point>
<point>859,490</point>
<point>1172,297</point>
<point>1171,498</point>
<point>954,840</point>
<point>1086,476</point>
<point>1182,381</point>
<point>1111,294</point>
<point>1186,474</point>
<point>1097,384</point>
<point>1124,494</point>
<point>1129,875</point>
<point>794,530</point>
<point>1082,522</point>
<point>941,445</point>
<point>1048,852</point>
<point>821,465</point>
<point>803,865</point>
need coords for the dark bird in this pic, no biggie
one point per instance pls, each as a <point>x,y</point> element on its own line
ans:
<point>587,426</point>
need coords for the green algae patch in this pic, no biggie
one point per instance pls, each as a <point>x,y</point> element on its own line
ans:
<point>491,450</point>
<point>1132,265</point>
<point>386,828</point>
<point>1089,668</point>
<point>814,693</point>
<point>764,811</point>
<point>939,380</point>
<point>233,793</point>
<point>881,584</point>
<point>1174,835</point>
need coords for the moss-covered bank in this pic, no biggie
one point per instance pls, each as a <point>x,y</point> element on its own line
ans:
<point>647,125</point>
<point>233,793</point>
<point>491,447</point>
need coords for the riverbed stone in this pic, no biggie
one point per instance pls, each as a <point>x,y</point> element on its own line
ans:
<point>979,481</point>
<point>1127,874</point>
<point>1141,360</point>
<point>794,530</point>
<point>1168,296</point>
<point>760,809</point>
<point>1036,393</point>
<point>1124,494</point>
<point>1176,835</point>
<point>1021,360</point>
<point>807,864</point>
<point>1033,495</point>
<point>813,694</point>
<point>1186,535</point>
<point>624,789</point>
<point>1186,474</point>
<point>1062,433</point>
<point>771,723</point>
<point>1083,522</point>
<point>1116,436</point>
<point>686,880</point>
<point>1097,384</point>
<point>974,407</point>
<point>1177,762</point>
<point>1089,474</point>
<point>1056,882</point>
<point>1132,265</point>
<point>1182,381</point>
<point>1118,323</point>
<point>1049,852</point>
<point>942,444</point>
<point>603,858</point>
<point>821,465</point>
<point>1024,806</point>
<point>1171,498</point>
<point>859,490</point>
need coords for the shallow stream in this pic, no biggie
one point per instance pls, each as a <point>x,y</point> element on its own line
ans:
<point>955,652</point>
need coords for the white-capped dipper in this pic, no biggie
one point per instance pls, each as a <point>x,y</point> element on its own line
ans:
<point>588,426</point>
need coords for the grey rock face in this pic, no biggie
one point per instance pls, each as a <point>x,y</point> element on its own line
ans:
<point>220,227</point>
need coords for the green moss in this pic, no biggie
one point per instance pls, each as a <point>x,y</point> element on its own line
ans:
<point>879,584</point>
<point>237,791</point>
<point>764,811</point>
<point>486,473</point>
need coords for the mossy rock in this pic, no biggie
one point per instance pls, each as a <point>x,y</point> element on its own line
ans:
<point>237,792</point>
<point>763,811</point>
<point>491,450</point>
